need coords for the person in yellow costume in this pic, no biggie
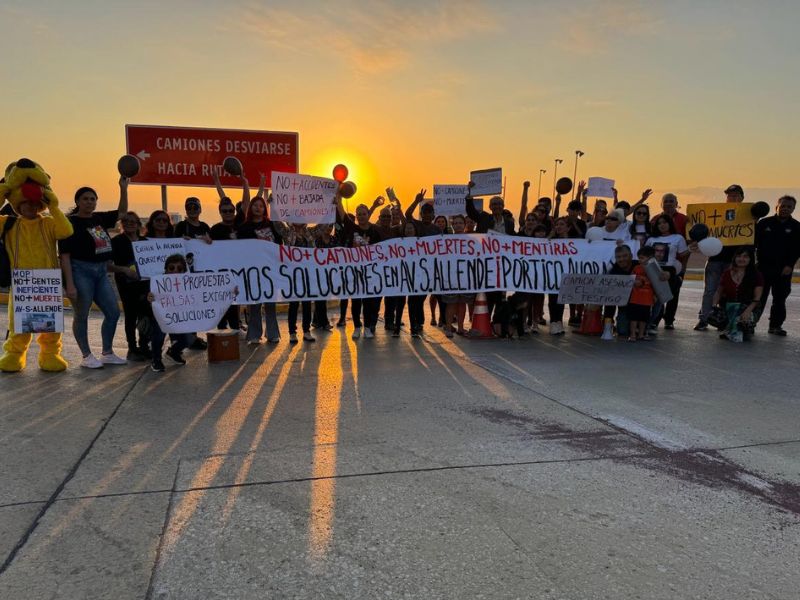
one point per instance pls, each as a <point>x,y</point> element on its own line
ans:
<point>31,244</point>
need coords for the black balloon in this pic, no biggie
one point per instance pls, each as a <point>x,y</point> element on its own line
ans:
<point>564,185</point>
<point>232,166</point>
<point>128,166</point>
<point>699,231</point>
<point>759,210</point>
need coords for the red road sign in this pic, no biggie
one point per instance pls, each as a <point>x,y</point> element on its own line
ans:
<point>188,155</point>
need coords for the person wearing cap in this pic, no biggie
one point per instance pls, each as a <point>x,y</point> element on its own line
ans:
<point>226,230</point>
<point>424,225</point>
<point>777,251</point>
<point>669,207</point>
<point>715,265</point>
<point>192,227</point>
<point>615,228</point>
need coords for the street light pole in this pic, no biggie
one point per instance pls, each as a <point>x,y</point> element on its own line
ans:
<point>558,161</point>
<point>578,154</point>
<point>539,189</point>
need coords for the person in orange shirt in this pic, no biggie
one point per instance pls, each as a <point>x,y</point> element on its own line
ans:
<point>642,298</point>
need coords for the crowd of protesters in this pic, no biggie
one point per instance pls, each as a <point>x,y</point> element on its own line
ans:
<point>737,281</point>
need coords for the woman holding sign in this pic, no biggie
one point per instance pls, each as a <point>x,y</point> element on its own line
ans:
<point>84,260</point>
<point>360,233</point>
<point>671,253</point>
<point>257,226</point>
<point>132,291</point>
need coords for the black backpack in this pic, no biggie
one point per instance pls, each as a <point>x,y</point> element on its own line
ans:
<point>5,258</point>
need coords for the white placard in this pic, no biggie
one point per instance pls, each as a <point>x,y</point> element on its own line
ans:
<point>191,302</point>
<point>606,290</point>
<point>302,198</point>
<point>38,300</point>
<point>445,264</point>
<point>488,182</point>
<point>449,199</point>
<point>600,187</point>
<point>151,253</point>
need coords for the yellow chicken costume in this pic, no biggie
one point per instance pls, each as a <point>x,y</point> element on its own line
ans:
<point>31,244</point>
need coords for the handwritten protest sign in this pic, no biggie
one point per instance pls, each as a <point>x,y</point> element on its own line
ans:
<point>600,187</point>
<point>731,222</point>
<point>38,300</point>
<point>190,302</point>
<point>150,254</point>
<point>606,290</point>
<point>488,182</point>
<point>303,198</point>
<point>449,199</point>
<point>452,264</point>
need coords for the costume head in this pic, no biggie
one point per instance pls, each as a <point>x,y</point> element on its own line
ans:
<point>26,181</point>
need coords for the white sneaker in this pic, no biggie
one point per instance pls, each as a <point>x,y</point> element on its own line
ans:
<point>307,337</point>
<point>368,334</point>
<point>112,359</point>
<point>557,328</point>
<point>652,331</point>
<point>356,333</point>
<point>90,362</point>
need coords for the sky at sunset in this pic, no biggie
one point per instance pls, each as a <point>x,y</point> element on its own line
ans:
<point>675,96</point>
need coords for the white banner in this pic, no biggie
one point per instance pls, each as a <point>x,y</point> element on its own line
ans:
<point>38,300</point>
<point>151,254</point>
<point>606,290</point>
<point>448,264</point>
<point>488,182</point>
<point>302,198</point>
<point>449,200</point>
<point>600,187</point>
<point>191,302</point>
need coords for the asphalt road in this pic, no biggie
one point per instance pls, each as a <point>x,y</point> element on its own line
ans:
<point>562,468</point>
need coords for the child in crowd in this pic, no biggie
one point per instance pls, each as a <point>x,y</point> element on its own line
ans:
<point>175,263</point>
<point>642,298</point>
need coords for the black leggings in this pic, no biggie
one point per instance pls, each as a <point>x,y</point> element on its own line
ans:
<point>555,309</point>
<point>416,312</point>
<point>136,307</point>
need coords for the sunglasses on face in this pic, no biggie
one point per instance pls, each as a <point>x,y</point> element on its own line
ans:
<point>226,211</point>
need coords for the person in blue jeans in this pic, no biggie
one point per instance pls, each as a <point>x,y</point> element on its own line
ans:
<point>175,263</point>
<point>85,257</point>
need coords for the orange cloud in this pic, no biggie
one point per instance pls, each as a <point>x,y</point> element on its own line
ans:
<point>377,39</point>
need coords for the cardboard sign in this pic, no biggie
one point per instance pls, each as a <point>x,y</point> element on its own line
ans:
<point>449,199</point>
<point>150,254</point>
<point>731,222</point>
<point>190,155</point>
<point>605,290</point>
<point>38,300</point>
<point>303,198</point>
<point>488,182</point>
<point>191,302</point>
<point>600,187</point>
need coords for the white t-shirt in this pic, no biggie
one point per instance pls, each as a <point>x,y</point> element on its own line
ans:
<point>667,248</point>
<point>622,232</point>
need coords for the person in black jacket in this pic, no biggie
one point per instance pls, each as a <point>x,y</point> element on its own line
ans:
<point>777,251</point>
<point>495,221</point>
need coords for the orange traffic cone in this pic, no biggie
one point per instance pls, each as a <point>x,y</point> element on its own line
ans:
<point>481,323</point>
<point>592,321</point>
